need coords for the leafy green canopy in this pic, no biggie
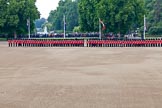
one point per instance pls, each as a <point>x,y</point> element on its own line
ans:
<point>14,15</point>
<point>69,8</point>
<point>154,16</point>
<point>119,16</point>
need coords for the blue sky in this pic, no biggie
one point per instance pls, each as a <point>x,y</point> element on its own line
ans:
<point>45,6</point>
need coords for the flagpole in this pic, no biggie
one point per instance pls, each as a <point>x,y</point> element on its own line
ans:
<point>100,32</point>
<point>64,27</point>
<point>144,31</point>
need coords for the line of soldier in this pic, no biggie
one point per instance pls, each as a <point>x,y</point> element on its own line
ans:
<point>45,43</point>
<point>83,43</point>
<point>124,43</point>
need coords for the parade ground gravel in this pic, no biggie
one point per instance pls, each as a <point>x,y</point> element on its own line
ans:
<point>80,77</point>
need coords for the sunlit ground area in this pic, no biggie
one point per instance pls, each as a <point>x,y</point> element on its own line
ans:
<point>80,77</point>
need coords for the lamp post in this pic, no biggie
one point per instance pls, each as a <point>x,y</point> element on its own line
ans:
<point>144,29</point>
<point>28,24</point>
<point>28,20</point>
<point>137,32</point>
<point>100,31</point>
<point>64,27</point>
<point>144,23</point>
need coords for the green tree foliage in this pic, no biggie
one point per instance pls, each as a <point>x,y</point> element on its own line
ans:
<point>40,22</point>
<point>69,8</point>
<point>14,15</point>
<point>76,29</point>
<point>118,15</point>
<point>88,15</point>
<point>48,25</point>
<point>154,16</point>
<point>3,12</point>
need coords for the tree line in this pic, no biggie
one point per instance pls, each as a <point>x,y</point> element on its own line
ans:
<point>14,15</point>
<point>67,8</point>
<point>119,16</point>
<point>154,16</point>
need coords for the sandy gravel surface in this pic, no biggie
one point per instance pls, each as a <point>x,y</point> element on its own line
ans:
<point>80,77</point>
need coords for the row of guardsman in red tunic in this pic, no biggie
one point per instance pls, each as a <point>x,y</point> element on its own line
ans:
<point>45,43</point>
<point>84,43</point>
